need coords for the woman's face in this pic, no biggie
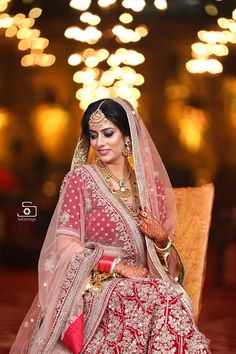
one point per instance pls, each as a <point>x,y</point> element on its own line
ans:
<point>107,142</point>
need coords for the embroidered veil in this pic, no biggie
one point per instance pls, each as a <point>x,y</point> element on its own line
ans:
<point>148,168</point>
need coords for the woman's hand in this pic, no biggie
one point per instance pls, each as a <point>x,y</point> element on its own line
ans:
<point>130,271</point>
<point>152,228</point>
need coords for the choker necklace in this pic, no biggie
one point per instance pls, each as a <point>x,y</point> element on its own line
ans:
<point>123,192</point>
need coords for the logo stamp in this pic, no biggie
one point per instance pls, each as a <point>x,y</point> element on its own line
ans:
<point>28,212</point>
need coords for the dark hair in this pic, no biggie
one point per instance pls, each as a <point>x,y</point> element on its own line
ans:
<point>113,112</point>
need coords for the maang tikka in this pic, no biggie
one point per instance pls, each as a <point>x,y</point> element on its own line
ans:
<point>97,118</point>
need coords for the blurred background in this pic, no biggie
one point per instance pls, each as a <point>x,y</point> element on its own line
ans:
<point>175,60</point>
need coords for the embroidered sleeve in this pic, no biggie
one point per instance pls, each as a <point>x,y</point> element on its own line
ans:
<point>70,205</point>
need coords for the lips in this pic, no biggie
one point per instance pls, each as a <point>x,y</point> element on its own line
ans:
<point>103,152</point>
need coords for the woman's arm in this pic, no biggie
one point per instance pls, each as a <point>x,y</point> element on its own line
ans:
<point>167,253</point>
<point>130,271</point>
<point>115,266</point>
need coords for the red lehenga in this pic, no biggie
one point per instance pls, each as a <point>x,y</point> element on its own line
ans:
<point>145,315</point>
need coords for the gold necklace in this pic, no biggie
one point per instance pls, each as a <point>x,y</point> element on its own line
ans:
<point>133,210</point>
<point>123,192</point>
<point>120,194</point>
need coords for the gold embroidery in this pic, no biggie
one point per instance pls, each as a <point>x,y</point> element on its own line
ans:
<point>81,152</point>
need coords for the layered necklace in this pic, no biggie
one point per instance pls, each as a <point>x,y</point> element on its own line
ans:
<point>123,193</point>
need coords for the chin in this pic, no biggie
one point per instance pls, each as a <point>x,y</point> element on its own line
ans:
<point>109,158</point>
<point>106,159</point>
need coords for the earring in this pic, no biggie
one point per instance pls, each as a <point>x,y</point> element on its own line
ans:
<point>128,148</point>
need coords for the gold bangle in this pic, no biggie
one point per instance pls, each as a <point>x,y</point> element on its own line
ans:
<point>114,265</point>
<point>165,249</point>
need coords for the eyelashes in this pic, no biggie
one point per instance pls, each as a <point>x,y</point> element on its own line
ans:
<point>107,135</point>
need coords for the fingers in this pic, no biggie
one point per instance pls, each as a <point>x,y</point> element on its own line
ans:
<point>145,213</point>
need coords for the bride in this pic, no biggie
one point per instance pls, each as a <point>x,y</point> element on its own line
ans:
<point>109,276</point>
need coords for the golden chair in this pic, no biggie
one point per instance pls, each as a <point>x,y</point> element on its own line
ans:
<point>194,205</point>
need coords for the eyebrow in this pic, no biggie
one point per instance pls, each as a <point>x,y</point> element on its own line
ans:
<point>102,130</point>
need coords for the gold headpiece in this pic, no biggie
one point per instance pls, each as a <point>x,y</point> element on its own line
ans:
<point>98,118</point>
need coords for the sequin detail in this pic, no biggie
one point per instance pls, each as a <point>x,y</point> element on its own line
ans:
<point>64,217</point>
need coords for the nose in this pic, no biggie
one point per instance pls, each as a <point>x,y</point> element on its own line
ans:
<point>100,140</point>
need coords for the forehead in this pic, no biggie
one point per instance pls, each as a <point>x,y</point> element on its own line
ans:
<point>108,124</point>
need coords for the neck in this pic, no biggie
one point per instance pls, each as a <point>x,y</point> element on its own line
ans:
<point>118,168</point>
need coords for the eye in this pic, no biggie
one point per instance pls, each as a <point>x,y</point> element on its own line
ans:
<point>92,137</point>
<point>108,134</point>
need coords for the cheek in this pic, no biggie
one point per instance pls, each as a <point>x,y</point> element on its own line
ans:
<point>117,142</point>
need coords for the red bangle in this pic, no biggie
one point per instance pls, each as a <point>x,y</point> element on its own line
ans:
<point>104,265</point>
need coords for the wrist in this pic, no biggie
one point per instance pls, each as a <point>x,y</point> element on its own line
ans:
<point>105,264</point>
<point>119,267</point>
<point>114,266</point>
<point>162,246</point>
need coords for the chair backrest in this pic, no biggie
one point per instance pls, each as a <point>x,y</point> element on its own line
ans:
<point>194,206</point>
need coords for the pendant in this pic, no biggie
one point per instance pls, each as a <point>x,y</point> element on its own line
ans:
<point>97,287</point>
<point>97,283</point>
<point>122,186</point>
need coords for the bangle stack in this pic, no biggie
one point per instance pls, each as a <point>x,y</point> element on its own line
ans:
<point>105,269</point>
<point>114,265</point>
<point>104,265</point>
<point>165,249</point>
<point>164,253</point>
<point>107,264</point>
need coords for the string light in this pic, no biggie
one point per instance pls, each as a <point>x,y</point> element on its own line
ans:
<point>106,3</point>
<point>199,66</point>
<point>214,43</point>
<point>21,27</point>
<point>126,18</point>
<point>136,6</point>
<point>80,5</point>
<point>102,72</point>
<point>161,4</point>
<point>211,10</point>
<point>74,59</point>
<point>89,18</point>
<point>90,35</point>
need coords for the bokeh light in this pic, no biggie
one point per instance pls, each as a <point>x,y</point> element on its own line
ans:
<point>22,27</point>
